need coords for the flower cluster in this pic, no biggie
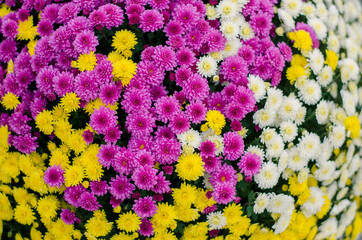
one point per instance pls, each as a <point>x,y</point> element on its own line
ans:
<point>144,119</point>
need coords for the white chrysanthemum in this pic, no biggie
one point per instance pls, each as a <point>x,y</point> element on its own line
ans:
<point>303,175</point>
<point>309,10</point>
<point>281,203</point>
<point>261,203</point>
<point>300,117</point>
<point>322,112</point>
<point>288,130</point>
<point>319,27</point>
<point>289,108</point>
<point>352,49</point>
<point>316,61</point>
<point>333,15</point>
<point>218,140</point>
<point>211,12</point>
<point>274,99</point>
<point>337,136</point>
<point>227,9</point>
<point>326,150</point>
<point>326,171</point>
<point>327,228</point>
<point>245,31</point>
<point>282,223</point>
<point>349,103</point>
<point>338,208</point>
<point>268,176</point>
<point>216,220</point>
<point>257,85</point>
<point>350,66</point>
<point>296,161</point>
<point>206,181</point>
<point>309,145</point>
<point>283,161</point>
<point>325,77</point>
<point>208,133</point>
<point>311,93</point>
<point>264,117</point>
<point>314,202</point>
<point>229,29</point>
<point>268,135</point>
<point>207,66</point>
<point>239,19</point>
<point>338,115</point>
<point>322,12</point>
<point>231,47</point>
<point>191,138</point>
<point>333,43</point>
<point>275,147</point>
<point>257,150</point>
<point>286,19</point>
<point>293,7</point>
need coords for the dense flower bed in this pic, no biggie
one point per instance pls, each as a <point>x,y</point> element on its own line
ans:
<point>173,119</point>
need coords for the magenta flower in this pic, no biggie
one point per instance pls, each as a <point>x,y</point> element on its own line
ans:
<point>99,188</point>
<point>69,217</point>
<point>224,193</point>
<point>234,146</point>
<point>54,176</point>
<point>121,187</point>
<point>146,228</point>
<point>224,174</point>
<point>145,207</point>
<point>212,163</point>
<point>151,20</point>
<point>125,161</point>
<point>88,201</point>
<point>250,164</point>
<point>196,88</point>
<point>165,58</point>
<point>85,42</point>
<point>207,148</point>
<point>166,150</point>
<point>107,154</point>
<point>162,185</point>
<point>144,177</point>
<point>103,118</point>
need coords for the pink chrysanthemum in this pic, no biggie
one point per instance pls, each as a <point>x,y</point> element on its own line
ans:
<point>103,118</point>
<point>167,150</point>
<point>54,176</point>
<point>165,57</point>
<point>107,153</point>
<point>136,100</point>
<point>140,123</point>
<point>151,20</point>
<point>212,163</point>
<point>196,88</point>
<point>144,177</point>
<point>88,201</point>
<point>234,146</point>
<point>250,164</point>
<point>162,185</point>
<point>224,193</point>
<point>99,188</point>
<point>145,207</point>
<point>121,187</point>
<point>146,228</point>
<point>196,111</point>
<point>69,217</point>
<point>85,42</point>
<point>224,174</point>
<point>207,148</point>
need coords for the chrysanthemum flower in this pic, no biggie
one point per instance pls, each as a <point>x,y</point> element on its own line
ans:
<point>54,176</point>
<point>129,222</point>
<point>145,207</point>
<point>124,40</point>
<point>190,167</point>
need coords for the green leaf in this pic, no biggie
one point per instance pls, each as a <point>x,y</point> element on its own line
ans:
<point>249,210</point>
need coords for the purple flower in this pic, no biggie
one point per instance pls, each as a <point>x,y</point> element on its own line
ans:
<point>146,228</point>
<point>144,177</point>
<point>195,39</point>
<point>166,132</point>
<point>50,12</point>
<point>262,68</point>
<point>151,20</point>
<point>125,161</point>
<point>250,164</point>
<point>224,193</point>
<point>159,4</point>
<point>261,23</point>
<point>88,136</point>
<point>23,14</point>
<point>234,146</point>
<point>99,188</point>
<point>114,15</point>
<point>235,111</point>
<point>9,28</point>
<point>72,194</point>
<point>86,86</point>
<point>207,148</point>
<point>85,42</point>
<point>165,58</point>
<point>67,12</point>
<point>234,69</point>
<point>148,72</point>
<point>173,28</point>
<point>162,185</point>
<point>140,123</point>
<point>245,97</point>
<point>18,123</point>
<point>25,144</point>
<point>286,51</point>
<point>196,111</point>
<point>176,42</point>
<point>103,118</point>
<point>187,15</point>
<point>107,154</point>
<point>247,53</point>
<point>45,27</point>
<point>136,99</point>
<point>103,70</point>
<point>185,56</point>
<point>224,174</point>
<point>121,187</point>
<point>166,150</point>
<point>63,83</point>
<point>7,50</point>
<point>98,18</point>
<point>54,176</point>
<point>145,158</point>
<point>88,201</point>
<point>112,134</point>
<point>68,217</point>
<point>167,107</point>
<point>212,163</point>
<point>196,88</point>
<point>180,123</point>
<point>145,207</point>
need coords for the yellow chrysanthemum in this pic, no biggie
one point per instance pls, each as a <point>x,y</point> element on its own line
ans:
<point>10,101</point>
<point>48,206</point>
<point>215,120</point>
<point>190,167</point>
<point>61,230</point>
<point>202,201</point>
<point>59,113</point>
<point>124,40</point>
<point>44,121</point>
<point>331,59</point>
<point>186,214</point>
<point>73,175</point>
<point>31,47</point>
<point>303,197</point>
<point>325,208</point>
<point>62,129</point>
<point>185,195</point>
<point>4,10</point>
<point>76,142</point>
<point>10,67</point>
<point>233,213</point>
<point>295,187</point>
<point>128,222</point>
<point>70,102</point>
<point>353,125</point>
<point>94,171</point>
<point>98,226</point>
<point>87,62</point>
<point>301,39</point>
<point>294,72</point>
<point>4,135</point>
<point>35,182</point>
<point>240,227</point>
<point>27,30</point>
<point>299,60</point>
<point>164,235</point>
<point>10,165</point>
<point>6,212</point>
<point>197,231</point>
<point>24,214</point>
<point>165,216</point>
<point>123,70</point>
<point>115,57</point>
